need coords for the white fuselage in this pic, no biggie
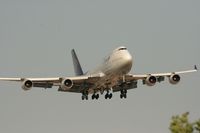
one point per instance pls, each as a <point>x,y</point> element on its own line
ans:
<point>119,62</point>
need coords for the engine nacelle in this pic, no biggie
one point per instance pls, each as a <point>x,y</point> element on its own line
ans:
<point>27,85</point>
<point>66,84</point>
<point>150,80</point>
<point>174,78</point>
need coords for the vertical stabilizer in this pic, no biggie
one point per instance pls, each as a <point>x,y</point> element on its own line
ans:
<point>77,67</point>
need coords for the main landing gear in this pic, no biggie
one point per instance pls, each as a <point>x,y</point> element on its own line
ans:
<point>95,96</point>
<point>108,95</point>
<point>123,94</point>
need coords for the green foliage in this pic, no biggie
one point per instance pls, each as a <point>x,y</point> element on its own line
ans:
<point>181,124</point>
<point>197,126</point>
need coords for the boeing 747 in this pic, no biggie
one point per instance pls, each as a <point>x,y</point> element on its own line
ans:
<point>112,76</point>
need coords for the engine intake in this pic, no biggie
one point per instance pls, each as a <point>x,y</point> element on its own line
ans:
<point>27,85</point>
<point>174,78</point>
<point>150,80</point>
<point>66,84</point>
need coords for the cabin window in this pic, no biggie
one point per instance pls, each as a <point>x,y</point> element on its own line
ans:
<point>122,49</point>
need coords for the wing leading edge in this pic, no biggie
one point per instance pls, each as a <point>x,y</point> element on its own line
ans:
<point>143,76</point>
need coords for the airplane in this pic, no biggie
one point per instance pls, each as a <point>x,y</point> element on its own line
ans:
<point>111,76</point>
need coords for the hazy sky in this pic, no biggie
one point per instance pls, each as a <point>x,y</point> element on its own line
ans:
<point>36,38</point>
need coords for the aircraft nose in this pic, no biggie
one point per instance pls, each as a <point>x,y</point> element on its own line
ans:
<point>127,63</point>
<point>128,58</point>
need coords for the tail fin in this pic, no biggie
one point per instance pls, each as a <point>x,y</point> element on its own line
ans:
<point>77,67</point>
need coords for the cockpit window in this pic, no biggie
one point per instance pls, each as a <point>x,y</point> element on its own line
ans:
<point>122,49</point>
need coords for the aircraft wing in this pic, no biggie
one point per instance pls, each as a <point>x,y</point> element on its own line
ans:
<point>168,74</point>
<point>36,82</point>
<point>67,84</point>
<point>10,79</point>
<point>130,80</point>
<point>151,79</point>
<point>79,84</point>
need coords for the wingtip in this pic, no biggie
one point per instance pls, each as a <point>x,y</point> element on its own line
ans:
<point>195,67</point>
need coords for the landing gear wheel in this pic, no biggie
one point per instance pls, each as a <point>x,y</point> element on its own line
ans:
<point>93,96</point>
<point>86,97</point>
<point>110,95</point>
<point>123,93</point>
<point>106,96</point>
<point>97,96</point>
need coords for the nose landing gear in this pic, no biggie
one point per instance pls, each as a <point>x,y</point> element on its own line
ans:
<point>84,96</point>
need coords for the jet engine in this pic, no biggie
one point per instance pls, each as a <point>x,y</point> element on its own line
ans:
<point>27,85</point>
<point>150,80</point>
<point>174,78</point>
<point>66,84</point>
